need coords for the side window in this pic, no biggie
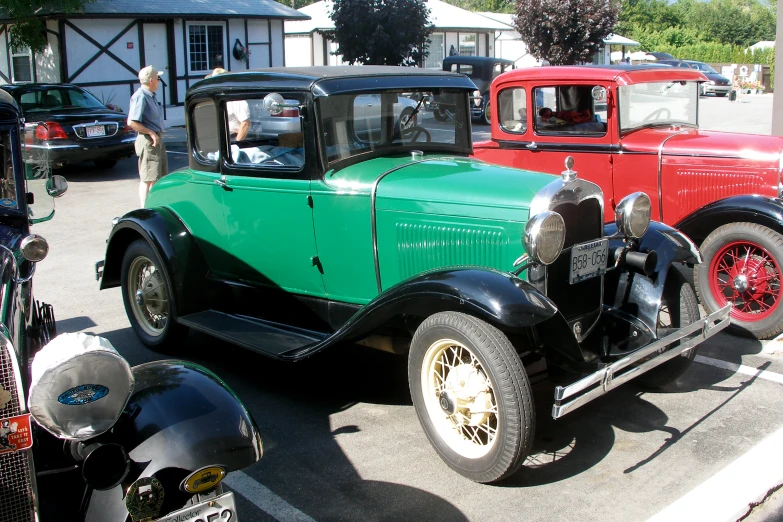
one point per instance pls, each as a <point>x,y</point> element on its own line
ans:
<point>512,110</point>
<point>258,138</point>
<point>466,69</point>
<point>205,142</point>
<point>569,110</point>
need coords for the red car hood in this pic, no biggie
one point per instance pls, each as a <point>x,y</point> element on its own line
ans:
<point>694,142</point>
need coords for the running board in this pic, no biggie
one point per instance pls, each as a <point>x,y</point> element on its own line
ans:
<point>266,338</point>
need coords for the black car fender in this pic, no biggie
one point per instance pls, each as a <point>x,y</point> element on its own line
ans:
<point>181,417</point>
<point>499,298</point>
<point>761,210</point>
<point>176,248</point>
<point>640,294</point>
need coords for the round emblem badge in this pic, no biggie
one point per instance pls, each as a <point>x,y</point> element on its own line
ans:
<point>83,394</point>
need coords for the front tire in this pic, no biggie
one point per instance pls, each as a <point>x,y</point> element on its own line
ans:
<point>678,308</point>
<point>440,114</point>
<point>487,117</point>
<point>149,300</point>
<point>472,396</point>
<point>742,266</point>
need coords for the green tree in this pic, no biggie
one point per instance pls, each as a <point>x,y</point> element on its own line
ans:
<point>490,6</point>
<point>381,32</point>
<point>565,32</point>
<point>28,29</point>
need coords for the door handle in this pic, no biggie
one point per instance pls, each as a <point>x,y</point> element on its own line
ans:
<point>222,184</point>
<point>532,145</point>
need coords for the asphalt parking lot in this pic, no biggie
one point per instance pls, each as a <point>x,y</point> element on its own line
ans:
<point>342,441</point>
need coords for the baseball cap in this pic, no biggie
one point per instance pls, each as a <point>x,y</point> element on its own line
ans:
<point>146,74</point>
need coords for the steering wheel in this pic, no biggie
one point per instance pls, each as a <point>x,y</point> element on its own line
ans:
<point>656,115</point>
<point>417,131</point>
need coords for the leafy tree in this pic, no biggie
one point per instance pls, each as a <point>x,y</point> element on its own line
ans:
<point>28,29</point>
<point>381,32</point>
<point>489,6</point>
<point>565,32</point>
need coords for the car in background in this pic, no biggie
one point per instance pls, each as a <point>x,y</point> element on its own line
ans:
<point>481,70</point>
<point>66,124</point>
<point>718,84</point>
<point>721,189</point>
<point>662,56</point>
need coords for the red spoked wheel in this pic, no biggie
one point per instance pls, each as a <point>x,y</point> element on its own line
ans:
<point>742,267</point>
<point>747,276</point>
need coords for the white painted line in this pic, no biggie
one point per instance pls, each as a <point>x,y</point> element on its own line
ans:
<point>729,494</point>
<point>738,368</point>
<point>264,498</point>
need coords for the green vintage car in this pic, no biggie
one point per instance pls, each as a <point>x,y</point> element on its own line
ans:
<point>368,222</point>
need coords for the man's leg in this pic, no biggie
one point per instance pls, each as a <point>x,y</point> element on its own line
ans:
<point>144,189</point>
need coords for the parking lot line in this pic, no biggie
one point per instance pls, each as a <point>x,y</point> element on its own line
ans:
<point>264,498</point>
<point>739,368</point>
<point>733,491</point>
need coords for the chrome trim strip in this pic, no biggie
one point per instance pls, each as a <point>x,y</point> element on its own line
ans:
<point>607,378</point>
<point>373,222</point>
<point>660,163</point>
<point>50,147</point>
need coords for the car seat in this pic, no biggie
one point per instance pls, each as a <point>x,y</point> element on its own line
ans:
<point>50,100</point>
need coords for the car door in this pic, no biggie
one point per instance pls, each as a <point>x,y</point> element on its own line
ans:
<point>543,144</point>
<point>268,212</point>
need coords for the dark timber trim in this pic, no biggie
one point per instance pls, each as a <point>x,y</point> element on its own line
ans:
<point>102,50</point>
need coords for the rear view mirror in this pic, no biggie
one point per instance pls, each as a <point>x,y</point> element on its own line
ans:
<point>56,186</point>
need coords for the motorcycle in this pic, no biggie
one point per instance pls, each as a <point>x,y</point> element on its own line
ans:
<point>83,436</point>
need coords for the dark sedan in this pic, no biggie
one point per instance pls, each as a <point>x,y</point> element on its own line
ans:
<point>66,124</point>
<point>718,84</point>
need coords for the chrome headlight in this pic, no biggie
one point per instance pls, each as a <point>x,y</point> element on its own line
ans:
<point>544,237</point>
<point>34,248</point>
<point>476,98</point>
<point>632,215</point>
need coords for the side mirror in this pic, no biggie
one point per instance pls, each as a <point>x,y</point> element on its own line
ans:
<point>273,103</point>
<point>80,386</point>
<point>56,186</point>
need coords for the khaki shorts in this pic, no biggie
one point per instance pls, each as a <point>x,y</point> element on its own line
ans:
<point>153,163</point>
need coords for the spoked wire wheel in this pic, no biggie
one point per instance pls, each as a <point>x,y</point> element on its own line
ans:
<point>459,398</point>
<point>149,298</point>
<point>746,275</point>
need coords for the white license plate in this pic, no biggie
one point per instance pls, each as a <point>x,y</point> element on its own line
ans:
<point>217,509</point>
<point>96,130</point>
<point>588,260</point>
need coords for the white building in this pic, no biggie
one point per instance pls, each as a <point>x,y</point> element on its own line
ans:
<point>508,42</point>
<point>104,47</point>
<point>456,31</point>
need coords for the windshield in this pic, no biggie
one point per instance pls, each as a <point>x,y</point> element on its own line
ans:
<point>658,103</point>
<point>55,98</point>
<point>703,67</point>
<point>392,122</point>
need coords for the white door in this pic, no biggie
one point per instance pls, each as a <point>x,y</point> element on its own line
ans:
<point>156,53</point>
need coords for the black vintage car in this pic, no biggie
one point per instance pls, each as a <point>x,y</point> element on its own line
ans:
<point>482,70</point>
<point>66,124</point>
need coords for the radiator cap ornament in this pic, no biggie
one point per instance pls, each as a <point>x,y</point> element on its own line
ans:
<point>568,174</point>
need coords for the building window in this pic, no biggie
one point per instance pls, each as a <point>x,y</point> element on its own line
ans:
<point>205,47</point>
<point>467,44</point>
<point>22,61</point>
<point>437,50</point>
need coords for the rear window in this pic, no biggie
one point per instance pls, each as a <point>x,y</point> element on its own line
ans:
<point>53,98</point>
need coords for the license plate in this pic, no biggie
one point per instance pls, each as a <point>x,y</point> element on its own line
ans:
<point>217,509</point>
<point>96,130</point>
<point>588,260</point>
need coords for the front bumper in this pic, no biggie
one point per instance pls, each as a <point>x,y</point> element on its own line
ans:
<point>613,375</point>
<point>715,89</point>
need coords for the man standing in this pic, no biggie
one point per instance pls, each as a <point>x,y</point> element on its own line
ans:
<point>145,116</point>
<point>238,114</point>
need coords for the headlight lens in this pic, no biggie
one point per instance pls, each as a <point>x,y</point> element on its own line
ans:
<point>544,237</point>
<point>476,98</point>
<point>633,214</point>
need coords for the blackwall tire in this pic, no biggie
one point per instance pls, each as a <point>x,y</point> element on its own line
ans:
<point>472,396</point>
<point>487,114</point>
<point>440,114</point>
<point>149,300</point>
<point>742,266</point>
<point>678,308</point>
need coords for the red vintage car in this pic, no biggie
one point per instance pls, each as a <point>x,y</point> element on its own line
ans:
<point>635,128</point>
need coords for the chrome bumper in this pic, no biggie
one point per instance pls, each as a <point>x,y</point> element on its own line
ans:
<point>612,375</point>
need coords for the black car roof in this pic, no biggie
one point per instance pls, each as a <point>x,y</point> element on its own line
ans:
<point>9,109</point>
<point>327,80</point>
<point>33,86</point>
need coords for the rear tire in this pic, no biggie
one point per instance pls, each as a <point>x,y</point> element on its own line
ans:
<point>679,308</point>
<point>440,114</point>
<point>149,299</point>
<point>487,117</point>
<point>472,396</point>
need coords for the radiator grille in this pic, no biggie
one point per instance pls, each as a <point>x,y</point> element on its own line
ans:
<point>583,222</point>
<point>16,495</point>
<point>423,247</point>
